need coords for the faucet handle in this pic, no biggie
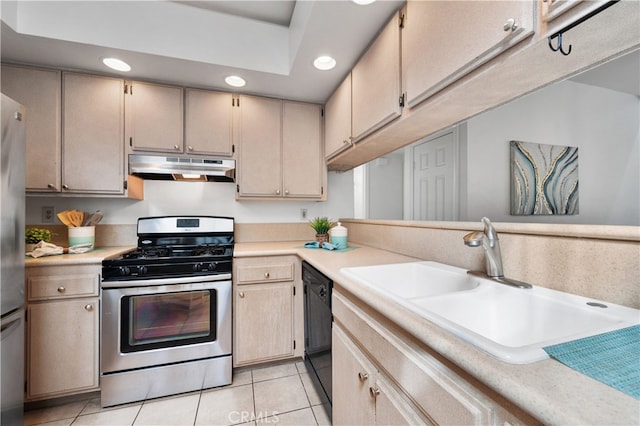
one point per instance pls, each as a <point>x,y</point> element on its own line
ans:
<point>489,230</point>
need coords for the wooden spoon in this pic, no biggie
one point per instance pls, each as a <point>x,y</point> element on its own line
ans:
<point>64,218</point>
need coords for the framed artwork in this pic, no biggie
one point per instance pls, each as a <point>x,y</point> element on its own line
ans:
<point>544,179</point>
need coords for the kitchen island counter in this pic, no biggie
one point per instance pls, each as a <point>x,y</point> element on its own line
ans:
<point>548,390</point>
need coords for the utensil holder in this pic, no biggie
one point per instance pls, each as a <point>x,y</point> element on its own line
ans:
<point>81,239</point>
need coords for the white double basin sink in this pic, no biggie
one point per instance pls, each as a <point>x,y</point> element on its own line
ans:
<point>511,324</point>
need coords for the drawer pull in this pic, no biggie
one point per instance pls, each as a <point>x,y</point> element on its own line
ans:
<point>88,307</point>
<point>363,376</point>
<point>266,275</point>
<point>61,289</point>
<point>374,391</point>
<point>241,294</point>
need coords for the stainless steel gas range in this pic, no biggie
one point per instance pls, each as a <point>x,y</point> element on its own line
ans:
<point>166,310</point>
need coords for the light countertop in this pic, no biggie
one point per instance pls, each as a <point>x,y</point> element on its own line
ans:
<point>94,256</point>
<point>550,391</point>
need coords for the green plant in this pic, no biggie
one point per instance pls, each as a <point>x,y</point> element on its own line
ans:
<point>321,224</point>
<point>35,235</point>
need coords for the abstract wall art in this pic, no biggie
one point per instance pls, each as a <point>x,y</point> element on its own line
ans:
<point>544,179</point>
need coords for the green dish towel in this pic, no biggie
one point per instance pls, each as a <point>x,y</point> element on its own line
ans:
<point>612,358</point>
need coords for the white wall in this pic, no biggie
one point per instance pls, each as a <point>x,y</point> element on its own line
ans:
<point>603,124</point>
<point>203,198</point>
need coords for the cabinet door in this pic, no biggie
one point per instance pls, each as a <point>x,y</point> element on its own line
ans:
<point>376,83</point>
<point>154,117</point>
<point>263,322</point>
<point>93,132</point>
<point>352,376</point>
<point>62,347</point>
<point>260,161</point>
<point>444,40</point>
<point>303,164</point>
<point>337,120</point>
<point>208,123</point>
<point>40,92</point>
<point>392,408</point>
<point>557,14</point>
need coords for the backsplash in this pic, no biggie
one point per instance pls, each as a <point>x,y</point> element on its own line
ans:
<point>598,267</point>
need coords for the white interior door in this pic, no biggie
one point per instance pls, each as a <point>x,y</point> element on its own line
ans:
<point>434,179</point>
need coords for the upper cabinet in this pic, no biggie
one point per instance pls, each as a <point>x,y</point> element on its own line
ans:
<point>557,14</point>
<point>443,41</point>
<point>302,154</point>
<point>93,129</point>
<point>39,90</point>
<point>75,130</point>
<point>337,120</point>
<point>375,80</point>
<point>154,117</point>
<point>208,122</point>
<point>280,155</point>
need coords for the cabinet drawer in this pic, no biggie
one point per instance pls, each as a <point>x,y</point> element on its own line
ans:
<point>265,273</point>
<point>60,286</point>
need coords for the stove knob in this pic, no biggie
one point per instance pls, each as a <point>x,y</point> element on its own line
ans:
<point>198,267</point>
<point>124,271</point>
<point>213,266</point>
<point>142,270</point>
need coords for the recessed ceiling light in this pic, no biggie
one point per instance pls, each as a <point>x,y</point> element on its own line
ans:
<point>363,2</point>
<point>324,63</point>
<point>235,81</point>
<point>116,64</point>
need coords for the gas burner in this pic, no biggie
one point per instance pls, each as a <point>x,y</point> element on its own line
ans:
<point>147,252</point>
<point>215,250</point>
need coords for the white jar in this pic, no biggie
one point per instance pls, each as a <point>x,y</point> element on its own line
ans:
<point>339,236</point>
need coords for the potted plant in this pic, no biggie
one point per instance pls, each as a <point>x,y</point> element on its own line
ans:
<point>33,236</point>
<point>322,225</point>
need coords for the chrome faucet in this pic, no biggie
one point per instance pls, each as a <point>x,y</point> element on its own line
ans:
<point>489,241</point>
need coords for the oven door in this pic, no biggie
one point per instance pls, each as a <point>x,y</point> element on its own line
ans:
<point>166,321</point>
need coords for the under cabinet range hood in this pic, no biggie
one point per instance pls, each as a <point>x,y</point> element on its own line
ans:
<point>191,169</point>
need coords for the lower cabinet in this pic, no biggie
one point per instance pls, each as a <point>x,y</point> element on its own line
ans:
<point>365,396</point>
<point>382,376</point>
<point>63,314</point>
<point>265,309</point>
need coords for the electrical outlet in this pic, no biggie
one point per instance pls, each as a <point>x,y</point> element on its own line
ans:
<point>47,214</point>
<point>303,214</point>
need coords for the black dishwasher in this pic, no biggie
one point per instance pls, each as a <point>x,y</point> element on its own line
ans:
<point>317,323</point>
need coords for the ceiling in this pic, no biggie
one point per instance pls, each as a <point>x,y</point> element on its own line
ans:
<point>271,44</point>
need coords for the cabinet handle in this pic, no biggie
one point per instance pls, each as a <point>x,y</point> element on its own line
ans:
<point>241,294</point>
<point>51,186</point>
<point>176,147</point>
<point>286,192</point>
<point>374,391</point>
<point>65,186</point>
<point>266,275</point>
<point>277,192</point>
<point>61,289</point>
<point>88,307</point>
<point>190,148</point>
<point>510,25</point>
<point>363,376</point>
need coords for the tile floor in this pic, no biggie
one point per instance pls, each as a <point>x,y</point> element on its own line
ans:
<point>281,394</point>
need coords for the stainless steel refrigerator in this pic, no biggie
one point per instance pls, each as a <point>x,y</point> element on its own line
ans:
<point>12,210</point>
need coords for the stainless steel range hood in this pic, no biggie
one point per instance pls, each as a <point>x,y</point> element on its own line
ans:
<point>192,169</point>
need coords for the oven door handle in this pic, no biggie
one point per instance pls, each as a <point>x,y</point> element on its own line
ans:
<point>166,281</point>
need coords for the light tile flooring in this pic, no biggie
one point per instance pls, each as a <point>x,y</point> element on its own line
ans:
<point>281,394</point>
